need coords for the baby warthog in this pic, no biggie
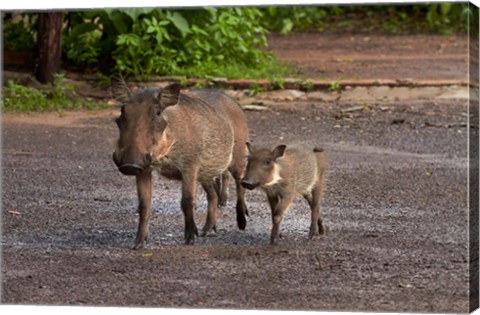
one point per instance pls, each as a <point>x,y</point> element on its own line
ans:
<point>195,137</point>
<point>285,172</point>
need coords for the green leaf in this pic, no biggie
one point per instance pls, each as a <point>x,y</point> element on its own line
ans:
<point>90,14</point>
<point>159,38</point>
<point>272,11</point>
<point>166,35</point>
<point>287,26</point>
<point>196,30</point>
<point>134,13</point>
<point>81,29</point>
<point>432,15</point>
<point>445,8</point>
<point>120,22</point>
<point>180,23</point>
<point>120,40</point>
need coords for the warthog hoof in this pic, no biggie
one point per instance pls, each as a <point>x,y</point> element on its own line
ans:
<point>241,221</point>
<point>207,229</point>
<point>190,234</point>
<point>317,230</point>
<point>140,240</point>
<point>139,244</point>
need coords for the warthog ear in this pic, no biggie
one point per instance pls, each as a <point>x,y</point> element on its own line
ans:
<point>169,95</point>
<point>120,90</point>
<point>279,151</point>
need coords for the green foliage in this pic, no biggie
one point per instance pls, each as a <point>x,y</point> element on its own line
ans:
<point>166,43</point>
<point>146,42</point>
<point>23,98</point>
<point>18,36</point>
<point>277,84</point>
<point>103,81</point>
<point>443,18</point>
<point>255,89</point>
<point>83,44</point>
<point>307,85</point>
<point>58,96</point>
<point>334,86</point>
<point>293,18</point>
<point>447,17</point>
<point>270,69</point>
<point>90,37</point>
<point>473,17</point>
<point>218,42</point>
<point>143,50</point>
<point>199,85</point>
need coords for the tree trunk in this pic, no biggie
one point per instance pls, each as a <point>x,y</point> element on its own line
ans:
<point>49,46</point>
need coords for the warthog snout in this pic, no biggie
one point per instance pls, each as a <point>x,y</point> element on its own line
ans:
<point>250,183</point>
<point>131,169</point>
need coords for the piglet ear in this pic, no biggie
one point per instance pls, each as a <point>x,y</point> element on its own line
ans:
<point>120,90</point>
<point>279,151</point>
<point>169,95</point>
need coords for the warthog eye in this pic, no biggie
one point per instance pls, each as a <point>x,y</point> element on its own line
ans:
<point>268,162</point>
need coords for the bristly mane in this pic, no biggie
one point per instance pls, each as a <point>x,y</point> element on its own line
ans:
<point>150,94</point>
<point>190,99</point>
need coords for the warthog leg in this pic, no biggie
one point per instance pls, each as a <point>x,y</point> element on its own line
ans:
<point>241,207</point>
<point>281,205</point>
<point>189,193</point>
<point>212,200</point>
<point>144,190</point>
<point>221,187</point>
<point>316,226</point>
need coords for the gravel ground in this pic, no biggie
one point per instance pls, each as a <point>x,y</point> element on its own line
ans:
<point>395,207</point>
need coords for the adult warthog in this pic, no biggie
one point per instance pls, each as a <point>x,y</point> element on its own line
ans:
<point>195,137</point>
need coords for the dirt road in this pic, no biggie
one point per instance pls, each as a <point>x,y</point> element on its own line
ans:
<point>395,206</point>
<point>363,56</point>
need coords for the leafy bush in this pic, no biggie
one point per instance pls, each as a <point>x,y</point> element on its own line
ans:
<point>23,98</point>
<point>447,17</point>
<point>145,42</point>
<point>58,96</point>
<point>82,44</point>
<point>18,36</point>
<point>294,18</point>
<point>441,18</point>
<point>223,42</point>
<point>90,37</point>
<point>165,42</point>
<point>144,50</point>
